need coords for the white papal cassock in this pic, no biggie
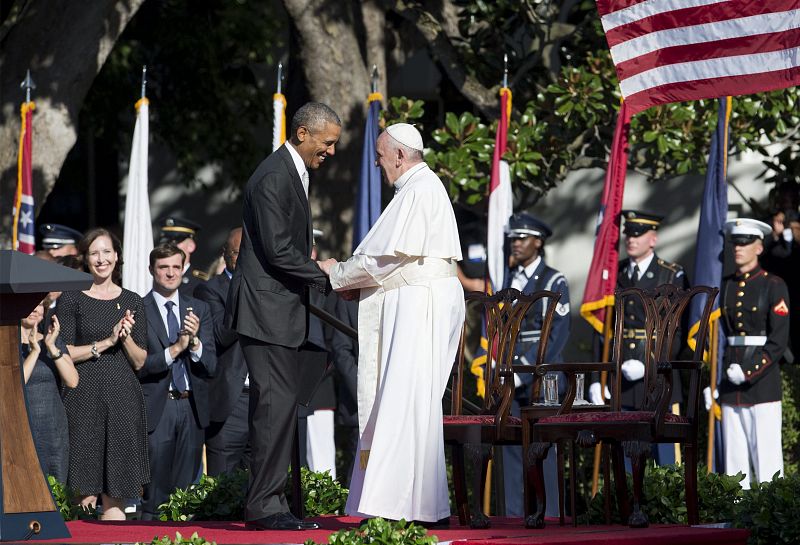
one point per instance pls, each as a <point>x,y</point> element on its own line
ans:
<point>410,315</point>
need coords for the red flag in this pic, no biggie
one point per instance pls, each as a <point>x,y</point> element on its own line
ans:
<point>602,279</point>
<point>501,200</point>
<point>23,234</point>
<point>677,50</point>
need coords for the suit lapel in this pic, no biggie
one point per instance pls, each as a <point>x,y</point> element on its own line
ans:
<point>297,184</point>
<point>154,319</point>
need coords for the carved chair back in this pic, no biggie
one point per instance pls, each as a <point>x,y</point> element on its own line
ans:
<point>504,313</point>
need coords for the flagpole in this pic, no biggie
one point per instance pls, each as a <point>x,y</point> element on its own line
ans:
<point>712,356</point>
<point>607,335</point>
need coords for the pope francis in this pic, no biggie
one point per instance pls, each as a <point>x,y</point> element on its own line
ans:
<point>411,309</point>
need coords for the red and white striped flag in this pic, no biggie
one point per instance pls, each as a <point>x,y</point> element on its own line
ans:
<point>501,200</point>
<point>676,50</point>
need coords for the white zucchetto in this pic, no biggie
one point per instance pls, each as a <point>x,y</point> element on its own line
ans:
<point>406,134</point>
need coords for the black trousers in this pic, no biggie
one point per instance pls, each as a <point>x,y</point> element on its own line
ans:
<point>227,443</point>
<point>274,372</point>
<point>175,448</point>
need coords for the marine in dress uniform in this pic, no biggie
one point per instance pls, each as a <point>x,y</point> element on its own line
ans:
<point>182,233</point>
<point>527,236</point>
<point>755,312</point>
<point>642,269</point>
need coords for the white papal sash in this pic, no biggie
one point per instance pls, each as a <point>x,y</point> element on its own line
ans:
<point>370,322</point>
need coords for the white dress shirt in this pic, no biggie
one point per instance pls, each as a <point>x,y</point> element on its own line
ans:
<point>523,274</point>
<point>302,171</point>
<point>643,265</point>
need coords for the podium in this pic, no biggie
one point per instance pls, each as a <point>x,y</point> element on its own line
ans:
<point>27,509</point>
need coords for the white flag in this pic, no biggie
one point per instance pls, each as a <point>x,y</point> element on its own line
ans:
<point>138,237</point>
<point>278,120</point>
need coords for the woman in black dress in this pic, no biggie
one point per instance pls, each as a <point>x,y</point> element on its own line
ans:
<point>45,371</point>
<point>105,330</point>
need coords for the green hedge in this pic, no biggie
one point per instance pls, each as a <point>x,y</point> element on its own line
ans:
<point>378,531</point>
<point>768,510</point>
<point>223,497</point>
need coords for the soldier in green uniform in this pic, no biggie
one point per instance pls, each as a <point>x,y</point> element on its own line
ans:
<point>642,269</point>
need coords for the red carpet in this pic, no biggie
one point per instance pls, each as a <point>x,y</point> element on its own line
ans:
<point>504,531</point>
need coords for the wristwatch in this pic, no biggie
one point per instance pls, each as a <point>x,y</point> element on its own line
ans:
<point>95,351</point>
<point>57,355</point>
<point>193,342</point>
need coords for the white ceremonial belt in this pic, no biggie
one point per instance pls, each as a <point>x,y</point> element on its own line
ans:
<point>421,270</point>
<point>748,340</point>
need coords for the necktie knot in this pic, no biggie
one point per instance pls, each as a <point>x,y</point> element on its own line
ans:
<point>169,305</point>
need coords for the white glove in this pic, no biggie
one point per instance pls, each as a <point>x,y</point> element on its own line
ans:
<point>735,374</point>
<point>707,396</point>
<point>594,394</point>
<point>633,370</point>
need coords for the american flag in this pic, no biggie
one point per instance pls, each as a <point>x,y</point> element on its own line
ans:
<point>23,234</point>
<point>676,50</point>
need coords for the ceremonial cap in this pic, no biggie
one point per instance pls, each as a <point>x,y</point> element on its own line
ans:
<point>638,223</point>
<point>524,225</point>
<point>175,229</point>
<point>56,236</point>
<point>745,230</point>
<point>406,134</point>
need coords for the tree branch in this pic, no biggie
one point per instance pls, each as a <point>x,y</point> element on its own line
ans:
<point>434,33</point>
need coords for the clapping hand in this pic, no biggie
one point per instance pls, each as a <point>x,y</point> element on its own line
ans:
<point>52,334</point>
<point>124,327</point>
<point>191,326</point>
<point>33,341</point>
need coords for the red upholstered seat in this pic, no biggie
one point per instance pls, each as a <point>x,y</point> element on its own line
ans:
<point>479,419</point>
<point>621,416</point>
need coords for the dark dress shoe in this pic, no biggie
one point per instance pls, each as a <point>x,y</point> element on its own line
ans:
<point>305,524</point>
<point>278,521</point>
<point>441,523</point>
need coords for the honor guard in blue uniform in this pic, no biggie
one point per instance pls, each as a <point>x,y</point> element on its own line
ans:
<point>642,269</point>
<point>755,319</point>
<point>182,232</point>
<point>527,236</point>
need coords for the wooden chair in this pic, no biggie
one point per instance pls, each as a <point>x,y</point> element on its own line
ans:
<point>633,431</point>
<point>493,425</point>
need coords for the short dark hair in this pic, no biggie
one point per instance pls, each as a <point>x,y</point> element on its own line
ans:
<point>86,242</point>
<point>167,249</point>
<point>314,116</point>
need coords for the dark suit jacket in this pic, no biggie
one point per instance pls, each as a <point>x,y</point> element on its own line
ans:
<point>226,386</point>
<point>155,376</point>
<point>268,300</point>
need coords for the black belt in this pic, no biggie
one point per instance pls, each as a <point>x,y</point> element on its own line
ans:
<point>174,394</point>
<point>246,389</point>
